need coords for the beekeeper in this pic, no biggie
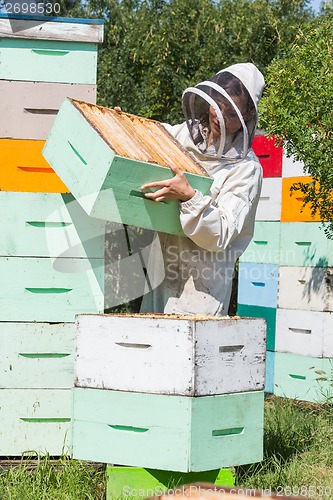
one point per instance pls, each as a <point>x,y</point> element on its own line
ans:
<point>221,117</point>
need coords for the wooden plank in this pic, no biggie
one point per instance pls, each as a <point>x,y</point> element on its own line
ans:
<point>195,434</point>
<point>258,284</point>
<point>214,356</point>
<point>110,188</point>
<point>48,61</point>
<point>48,225</point>
<point>41,28</point>
<point>269,206</point>
<point>265,244</point>
<point>292,203</point>
<point>30,108</point>
<point>305,378</point>
<point>305,244</point>
<point>36,355</point>
<point>23,168</point>
<point>137,482</point>
<point>51,291</point>
<point>306,288</point>
<point>269,313</point>
<point>35,421</point>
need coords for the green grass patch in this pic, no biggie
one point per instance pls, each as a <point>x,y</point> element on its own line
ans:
<point>46,479</point>
<point>298,450</point>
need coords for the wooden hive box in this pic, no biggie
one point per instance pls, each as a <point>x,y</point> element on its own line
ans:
<point>169,354</point>
<point>176,433</point>
<point>104,156</point>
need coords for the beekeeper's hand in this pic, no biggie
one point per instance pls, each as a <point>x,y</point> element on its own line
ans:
<point>177,188</point>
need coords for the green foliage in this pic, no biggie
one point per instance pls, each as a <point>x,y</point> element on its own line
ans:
<point>298,106</point>
<point>154,49</point>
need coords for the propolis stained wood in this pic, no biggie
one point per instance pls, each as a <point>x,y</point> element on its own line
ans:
<point>209,355</point>
<point>23,168</point>
<point>104,157</point>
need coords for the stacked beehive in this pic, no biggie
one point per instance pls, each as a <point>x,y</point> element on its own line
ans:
<point>285,276</point>
<point>172,393</point>
<point>51,259</point>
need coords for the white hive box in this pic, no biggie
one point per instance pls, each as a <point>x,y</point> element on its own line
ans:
<point>170,354</point>
<point>269,206</point>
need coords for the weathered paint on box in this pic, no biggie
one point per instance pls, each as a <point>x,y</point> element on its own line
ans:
<point>305,244</point>
<point>48,61</point>
<point>270,360</point>
<point>265,244</point>
<point>306,288</point>
<point>269,313</point>
<point>209,356</point>
<point>269,206</point>
<point>30,108</point>
<point>309,333</point>
<point>292,167</point>
<point>48,225</point>
<point>61,29</point>
<point>137,482</point>
<point>176,433</point>
<point>269,155</point>
<point>36,355</point>
<point>35,421</point>
<point>23,168</point>
<point>292,203</point>
<point>50,290</point>
<point>258,284</point>
<point>305,378</point>
<point>110,188</point>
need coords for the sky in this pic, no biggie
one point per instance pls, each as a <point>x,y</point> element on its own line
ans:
<point>315,4</point>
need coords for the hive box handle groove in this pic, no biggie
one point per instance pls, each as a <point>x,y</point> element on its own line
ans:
<point>36,169</point>
<point>230,348</point>
<point>50,52</point>
<point>45,111</point>
<point>228,432</point>
<point>49,290</point>
<point>303,243</point>
<point>128,428</point>
<point>300,330</point>
<point>43,355</point>
<point>260,242</point>
<point>257,283</point>
<point>77,153</point>
<point>140,194</point>
<point>135,346</point>
<point>298,377</point>
<point>45,420</point>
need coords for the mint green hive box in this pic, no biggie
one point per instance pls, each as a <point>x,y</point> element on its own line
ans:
<point>175,433</point>
<point>104,157</point>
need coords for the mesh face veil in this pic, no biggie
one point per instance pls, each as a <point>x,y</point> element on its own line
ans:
<point>221,116</point>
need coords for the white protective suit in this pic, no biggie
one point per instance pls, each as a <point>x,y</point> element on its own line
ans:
<point>199,268</point>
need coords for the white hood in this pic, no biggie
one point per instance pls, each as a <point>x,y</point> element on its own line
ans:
<point>222,113</point>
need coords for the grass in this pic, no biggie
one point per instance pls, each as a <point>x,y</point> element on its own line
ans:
<point>298,459</point>
<point>46,479</point>
<point>298,450</point>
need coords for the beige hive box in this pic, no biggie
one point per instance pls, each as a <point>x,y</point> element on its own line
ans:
<point>104,156</point>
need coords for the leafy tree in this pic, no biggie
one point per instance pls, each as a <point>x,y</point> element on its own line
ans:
<point>298,107</point>
<point>154,49</point>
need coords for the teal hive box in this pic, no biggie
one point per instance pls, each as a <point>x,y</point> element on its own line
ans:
<point>104,157</point>
<point>166,432</point>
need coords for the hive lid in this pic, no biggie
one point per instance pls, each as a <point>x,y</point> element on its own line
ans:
<point>138,138</point>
